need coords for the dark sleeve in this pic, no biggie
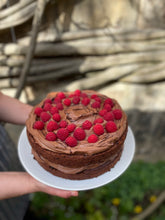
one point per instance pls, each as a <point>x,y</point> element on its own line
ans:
<point>14,208</point>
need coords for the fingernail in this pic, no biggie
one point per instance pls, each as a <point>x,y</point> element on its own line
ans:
<point>74,193</point>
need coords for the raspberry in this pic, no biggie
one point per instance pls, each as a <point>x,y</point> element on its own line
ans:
<point>96,105</point>
<point>39,125</point>
<point>111,127</point>
<point>59,106</point>
<point>38,111</point>
<point>47,107</point>
<point>98,120</point>
<point>87,125</point>
<point>98,129</point>
<point>84,95</point>
<point>102,112</point>
<point>117,114</point>
<point>52,125</point>
<point>85,101</point>
<point>57,100</point>
<point>107,107</point>
<point>62,134</point>
<point>45,116</point>
<point>51,136</point>
<point>77,92</point>
<point>92,138</point>
<point>48,101</point>
<point>108,116</point>
<point>94,96</point>
<point>71,95</point>
<point>53,110</point>
<point>98,99</point>
<point>71,141</point>
<point>108,101</point>
<point>63,124</point>
<point>76,100</point>
<point>67,102</point>
<point>61,95</point>
<point>56,117</point>
<point>71,127</point>
<point>79,134</point>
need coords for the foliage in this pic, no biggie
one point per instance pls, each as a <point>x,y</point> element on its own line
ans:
<point>130,193</point>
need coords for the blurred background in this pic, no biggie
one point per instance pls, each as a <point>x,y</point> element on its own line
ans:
<point>116,47</point>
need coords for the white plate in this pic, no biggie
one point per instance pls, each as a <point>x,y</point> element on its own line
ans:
<point>35,170</point>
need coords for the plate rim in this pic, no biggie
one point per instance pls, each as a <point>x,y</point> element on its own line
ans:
<point>74,184</point>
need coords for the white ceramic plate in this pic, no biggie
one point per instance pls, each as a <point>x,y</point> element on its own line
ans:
<point>35,170</point>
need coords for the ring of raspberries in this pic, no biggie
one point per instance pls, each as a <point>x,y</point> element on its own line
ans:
<point>48,117</point>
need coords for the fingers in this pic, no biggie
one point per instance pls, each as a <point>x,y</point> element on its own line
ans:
<point>66,194</point>
<point>60,193</point>
<point>40,187</point>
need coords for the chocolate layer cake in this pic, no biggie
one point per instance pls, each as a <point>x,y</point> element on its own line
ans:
<point>77,135</point>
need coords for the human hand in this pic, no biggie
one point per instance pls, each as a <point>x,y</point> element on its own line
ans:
<point>13,184</point>
<point>53,191</point>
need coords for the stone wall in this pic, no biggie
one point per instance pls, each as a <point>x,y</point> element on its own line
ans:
<point>126,14</point>
<point>62,15</point>
<point>101,41</point>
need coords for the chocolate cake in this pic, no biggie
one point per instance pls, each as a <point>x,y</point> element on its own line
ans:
<point>77,135</point>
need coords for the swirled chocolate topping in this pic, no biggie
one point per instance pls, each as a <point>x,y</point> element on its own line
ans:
<point>80,122</point>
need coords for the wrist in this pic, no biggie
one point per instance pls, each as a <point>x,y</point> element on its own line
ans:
<point>33,184</point>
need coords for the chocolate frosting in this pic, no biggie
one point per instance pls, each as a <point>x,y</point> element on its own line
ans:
<point>77,114</point>
<point>70,170</point>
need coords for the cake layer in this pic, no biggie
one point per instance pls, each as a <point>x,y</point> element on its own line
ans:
<point>95,116</point>
<point>77,160</point>
<point>70,170</point>
<point>85,174</point>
